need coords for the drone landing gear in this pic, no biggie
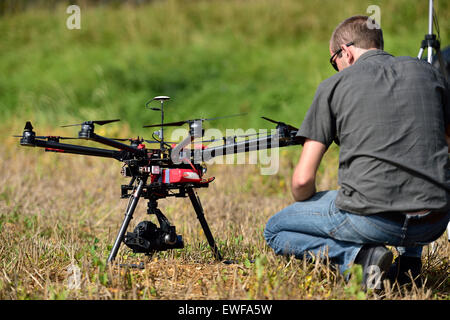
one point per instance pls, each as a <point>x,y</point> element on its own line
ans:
<point>128,216</point>
<point>201,217</point>
<point>147,237</point>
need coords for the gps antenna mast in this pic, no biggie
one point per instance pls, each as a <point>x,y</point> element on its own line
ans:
<point>160,99</point>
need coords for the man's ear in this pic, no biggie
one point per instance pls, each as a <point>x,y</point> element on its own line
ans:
<point>347,52</point>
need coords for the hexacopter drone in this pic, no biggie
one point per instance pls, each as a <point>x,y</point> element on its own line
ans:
<point>172,170</point>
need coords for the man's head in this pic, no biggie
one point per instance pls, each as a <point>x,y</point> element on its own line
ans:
<point>352,38</point>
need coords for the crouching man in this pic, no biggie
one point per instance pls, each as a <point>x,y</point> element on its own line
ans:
<point>391,119</point>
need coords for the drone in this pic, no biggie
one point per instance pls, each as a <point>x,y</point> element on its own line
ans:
<point>172,170</point>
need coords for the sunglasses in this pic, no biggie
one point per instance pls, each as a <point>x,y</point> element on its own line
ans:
<point>332,60</point>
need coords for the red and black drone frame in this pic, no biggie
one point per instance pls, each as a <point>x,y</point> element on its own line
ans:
<point>168,171</point>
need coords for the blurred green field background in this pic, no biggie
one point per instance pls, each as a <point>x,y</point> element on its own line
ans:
<point>212,58</point>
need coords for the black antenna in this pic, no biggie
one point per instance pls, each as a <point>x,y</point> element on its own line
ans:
<point>161,99</point>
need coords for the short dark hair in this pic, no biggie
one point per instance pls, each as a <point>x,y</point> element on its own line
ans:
<point>362,30</point>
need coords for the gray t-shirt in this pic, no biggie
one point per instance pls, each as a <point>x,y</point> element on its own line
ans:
<point>388,114</point>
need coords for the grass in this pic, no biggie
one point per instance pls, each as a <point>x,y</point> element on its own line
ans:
<point>59,213</point>
<point>214,58</point>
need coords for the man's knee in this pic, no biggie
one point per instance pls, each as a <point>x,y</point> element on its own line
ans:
<point>269,233</point>
<point>277,223</point>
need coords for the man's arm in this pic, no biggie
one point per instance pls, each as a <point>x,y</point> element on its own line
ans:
<point>304,177</point>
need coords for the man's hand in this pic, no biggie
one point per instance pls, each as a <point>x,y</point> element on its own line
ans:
<point>304,177</point>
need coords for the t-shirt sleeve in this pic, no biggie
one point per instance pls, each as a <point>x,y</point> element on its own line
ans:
<point>319,123</point>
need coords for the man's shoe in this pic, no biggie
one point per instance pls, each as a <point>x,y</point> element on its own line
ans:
<point>376,261</point>
<point>405,268</point>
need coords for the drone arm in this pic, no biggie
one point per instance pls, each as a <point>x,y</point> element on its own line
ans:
<point>112,143</point>
<point>238,147</point>
<point>74,149</point>
<point>276,140</point>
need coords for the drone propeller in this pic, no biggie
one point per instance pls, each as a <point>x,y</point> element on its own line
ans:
<point>281,123</point>
<point>99,122</point>
<point>179,123</point>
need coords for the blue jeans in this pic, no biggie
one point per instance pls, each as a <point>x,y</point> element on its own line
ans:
<point>318,226</point>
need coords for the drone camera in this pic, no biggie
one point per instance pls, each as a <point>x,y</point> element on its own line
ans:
<point>148,238</point>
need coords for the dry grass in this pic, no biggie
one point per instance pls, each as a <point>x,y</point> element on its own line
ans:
<point>62,210</point>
